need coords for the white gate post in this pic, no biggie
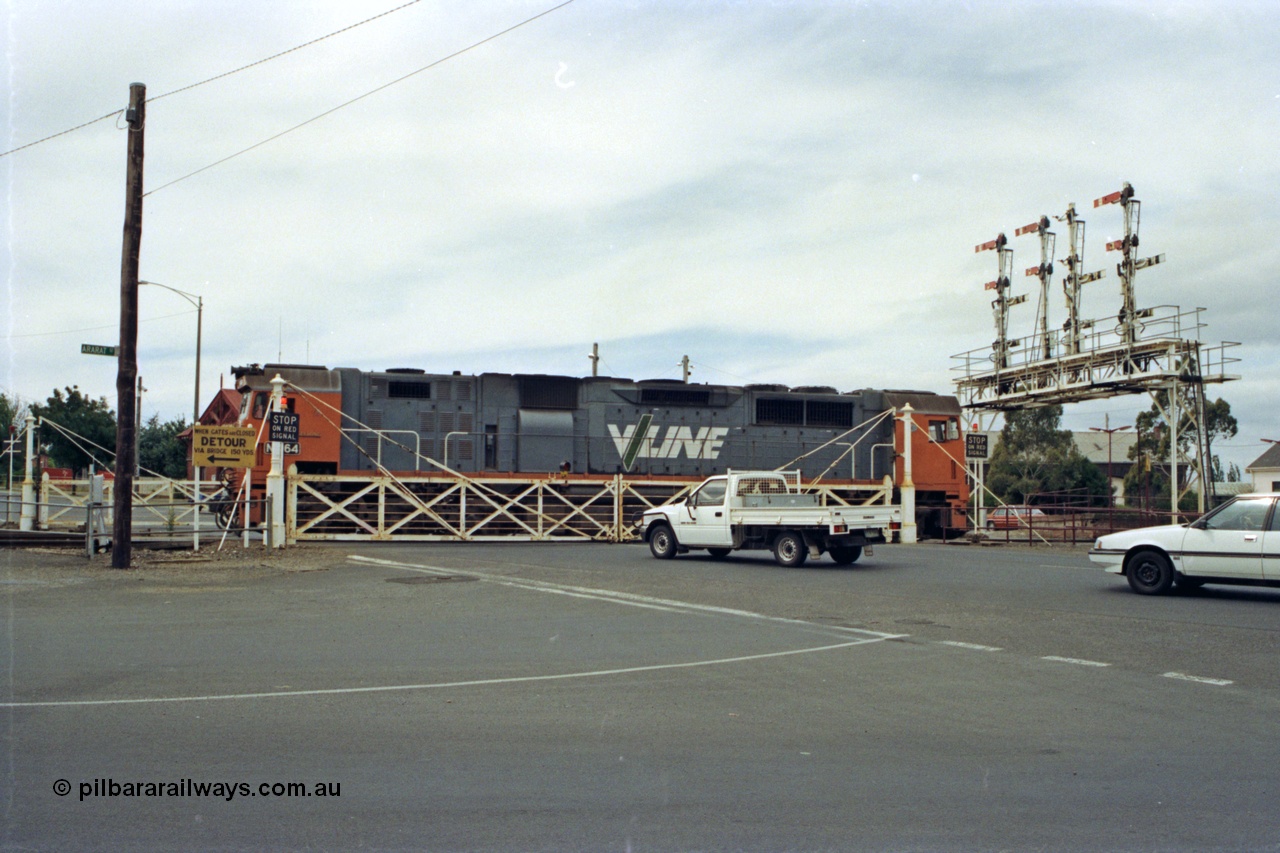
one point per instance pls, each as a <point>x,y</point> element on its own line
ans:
<point>275,479</point>
<point>27,516</point>
<point>908,484</point>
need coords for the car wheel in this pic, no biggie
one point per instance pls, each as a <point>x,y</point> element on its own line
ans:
<point>991,525</point>
<point>846,555</point>
<point>789,549</point>
<point>1150,573</point>
<point>718,553</point>
<point>662,542</point>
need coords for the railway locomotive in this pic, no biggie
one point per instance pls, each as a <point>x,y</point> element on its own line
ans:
<point>492,424</point>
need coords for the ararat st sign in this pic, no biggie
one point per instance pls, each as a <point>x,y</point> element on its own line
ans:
<point>222,446</point>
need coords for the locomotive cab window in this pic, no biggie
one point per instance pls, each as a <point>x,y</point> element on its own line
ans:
<point>940,431</point>
<point>260,405</point>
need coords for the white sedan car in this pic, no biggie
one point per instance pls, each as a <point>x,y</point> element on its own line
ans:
<point>1237,543</point>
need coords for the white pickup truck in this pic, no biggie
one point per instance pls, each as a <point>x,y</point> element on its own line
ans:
<point>765,510</point>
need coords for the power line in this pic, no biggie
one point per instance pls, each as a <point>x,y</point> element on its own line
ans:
<point>359,98</point>
<point>212,79</point>
<point>93,328</point>
<point>285,52</point>
<point>62,133</point>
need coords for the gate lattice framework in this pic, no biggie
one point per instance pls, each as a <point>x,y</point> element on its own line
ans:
<point>376,507</point>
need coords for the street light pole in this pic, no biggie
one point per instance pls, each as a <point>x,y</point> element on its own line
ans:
<point>1110,431</point>
<point>198,301</point>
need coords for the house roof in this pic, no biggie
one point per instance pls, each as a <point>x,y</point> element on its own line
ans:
<point>224,408</point>
<point>1093,446</point>
<point>1270,459</point>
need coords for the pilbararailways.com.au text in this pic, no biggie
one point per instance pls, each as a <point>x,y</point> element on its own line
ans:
<point>191,788</point>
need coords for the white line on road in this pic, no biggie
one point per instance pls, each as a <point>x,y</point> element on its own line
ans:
<point>956,644</point>
<point>1216,682</point>
<point>482,682</point>
<point>1076,661</point>
<point>615,597</point>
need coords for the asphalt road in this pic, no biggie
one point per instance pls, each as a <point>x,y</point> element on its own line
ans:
<point>589,697</point>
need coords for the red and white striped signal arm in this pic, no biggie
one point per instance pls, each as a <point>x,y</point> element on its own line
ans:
<point>991,285</point>
<point>1123,195</point>
<point>1033,228</point>
<point>1033,270</point>
<point>998,242</point>
<point>1115,246</point>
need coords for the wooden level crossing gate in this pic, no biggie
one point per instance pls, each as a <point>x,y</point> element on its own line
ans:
<point>439,507</point>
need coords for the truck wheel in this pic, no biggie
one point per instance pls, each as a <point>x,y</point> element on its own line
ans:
<point>1150,573</point>
<point>789,549</point>
<point>846,555</point>
<point>718,553</point>
<point>662,542</point>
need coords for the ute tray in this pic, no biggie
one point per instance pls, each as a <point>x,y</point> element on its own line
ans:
<point>749,501</point>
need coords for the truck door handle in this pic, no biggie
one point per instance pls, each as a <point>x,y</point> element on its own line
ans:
<point>1251,537</point>
<point>719,514</point>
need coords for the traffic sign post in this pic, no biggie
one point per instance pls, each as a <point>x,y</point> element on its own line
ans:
<point>977,452</point>
<point>975,446</point>
<point>222,446</point>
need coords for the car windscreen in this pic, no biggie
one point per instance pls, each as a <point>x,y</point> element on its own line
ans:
<point>1240,514</point>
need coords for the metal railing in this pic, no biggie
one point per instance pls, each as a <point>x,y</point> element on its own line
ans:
<point>1072,525</point>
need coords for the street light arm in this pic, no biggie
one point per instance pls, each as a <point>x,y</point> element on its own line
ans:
<point>195,299</point>
<point>198,301</point>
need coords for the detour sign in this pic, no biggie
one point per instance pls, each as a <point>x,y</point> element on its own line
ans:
<point>222,446</point>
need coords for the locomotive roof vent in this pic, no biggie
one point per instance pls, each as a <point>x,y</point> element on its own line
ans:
<point>269,367</point>
<point>814,389</point>
<point>414,370</point>
<point>767,387</point>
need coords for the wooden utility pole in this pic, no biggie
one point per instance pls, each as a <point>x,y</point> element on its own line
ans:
<point>127,370</point>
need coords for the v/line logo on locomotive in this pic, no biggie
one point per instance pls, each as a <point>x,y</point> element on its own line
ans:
<point>640,441</point>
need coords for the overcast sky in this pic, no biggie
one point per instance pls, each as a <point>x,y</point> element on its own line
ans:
<point>784,191</point>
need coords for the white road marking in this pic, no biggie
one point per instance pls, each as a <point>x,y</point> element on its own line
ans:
<point>1216,682</point>
<point>482,682</point>
<point>615,597</point>
<point>1076,661</point>
<point>974,646</point>
<point>629,599</point>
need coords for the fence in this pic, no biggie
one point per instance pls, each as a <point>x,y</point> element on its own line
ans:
<point>444,508</point>
<point>157,501</point>
<point>1072,525</point>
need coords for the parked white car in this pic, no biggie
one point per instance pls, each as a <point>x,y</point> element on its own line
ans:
<point>1237,543</point>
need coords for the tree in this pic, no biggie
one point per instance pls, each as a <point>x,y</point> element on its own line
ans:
<point>159,449</point>
<point>1151,450</point>
<point>12,413</point>
<point>1035,457</point>
<point>91,421</point>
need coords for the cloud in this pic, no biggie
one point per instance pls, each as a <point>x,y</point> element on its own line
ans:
<point>785,192</point>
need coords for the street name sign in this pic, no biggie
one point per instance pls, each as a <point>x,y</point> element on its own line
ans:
<point>222,446</point>
<point>97,349</point>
